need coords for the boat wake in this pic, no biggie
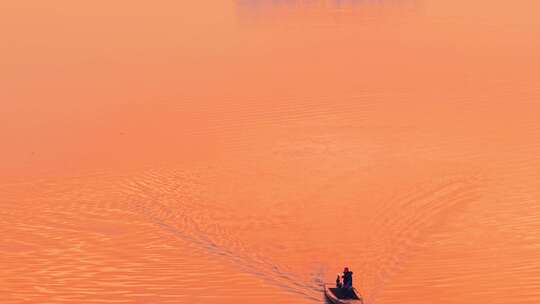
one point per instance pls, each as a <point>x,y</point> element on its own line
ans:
<point>170,202</point>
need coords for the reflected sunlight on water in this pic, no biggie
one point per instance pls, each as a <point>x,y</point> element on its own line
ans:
<point>247,150</point>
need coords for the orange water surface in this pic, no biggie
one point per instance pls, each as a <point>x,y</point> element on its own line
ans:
<point>245,151</point>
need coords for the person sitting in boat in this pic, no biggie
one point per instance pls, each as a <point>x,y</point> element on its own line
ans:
<point>338,282</point>
<point>347,278</point>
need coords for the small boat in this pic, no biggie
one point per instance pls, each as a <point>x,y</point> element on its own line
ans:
<point>342,295</point>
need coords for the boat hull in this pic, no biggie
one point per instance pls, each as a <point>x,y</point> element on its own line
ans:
<point>333,295</point>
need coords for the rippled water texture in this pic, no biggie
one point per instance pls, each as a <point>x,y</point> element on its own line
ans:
<point>245,151</point>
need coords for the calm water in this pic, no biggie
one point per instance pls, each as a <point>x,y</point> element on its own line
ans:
<point>245,151</point>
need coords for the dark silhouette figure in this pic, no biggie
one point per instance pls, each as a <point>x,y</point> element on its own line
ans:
<point>347,278</point>
<point>338,282</point>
